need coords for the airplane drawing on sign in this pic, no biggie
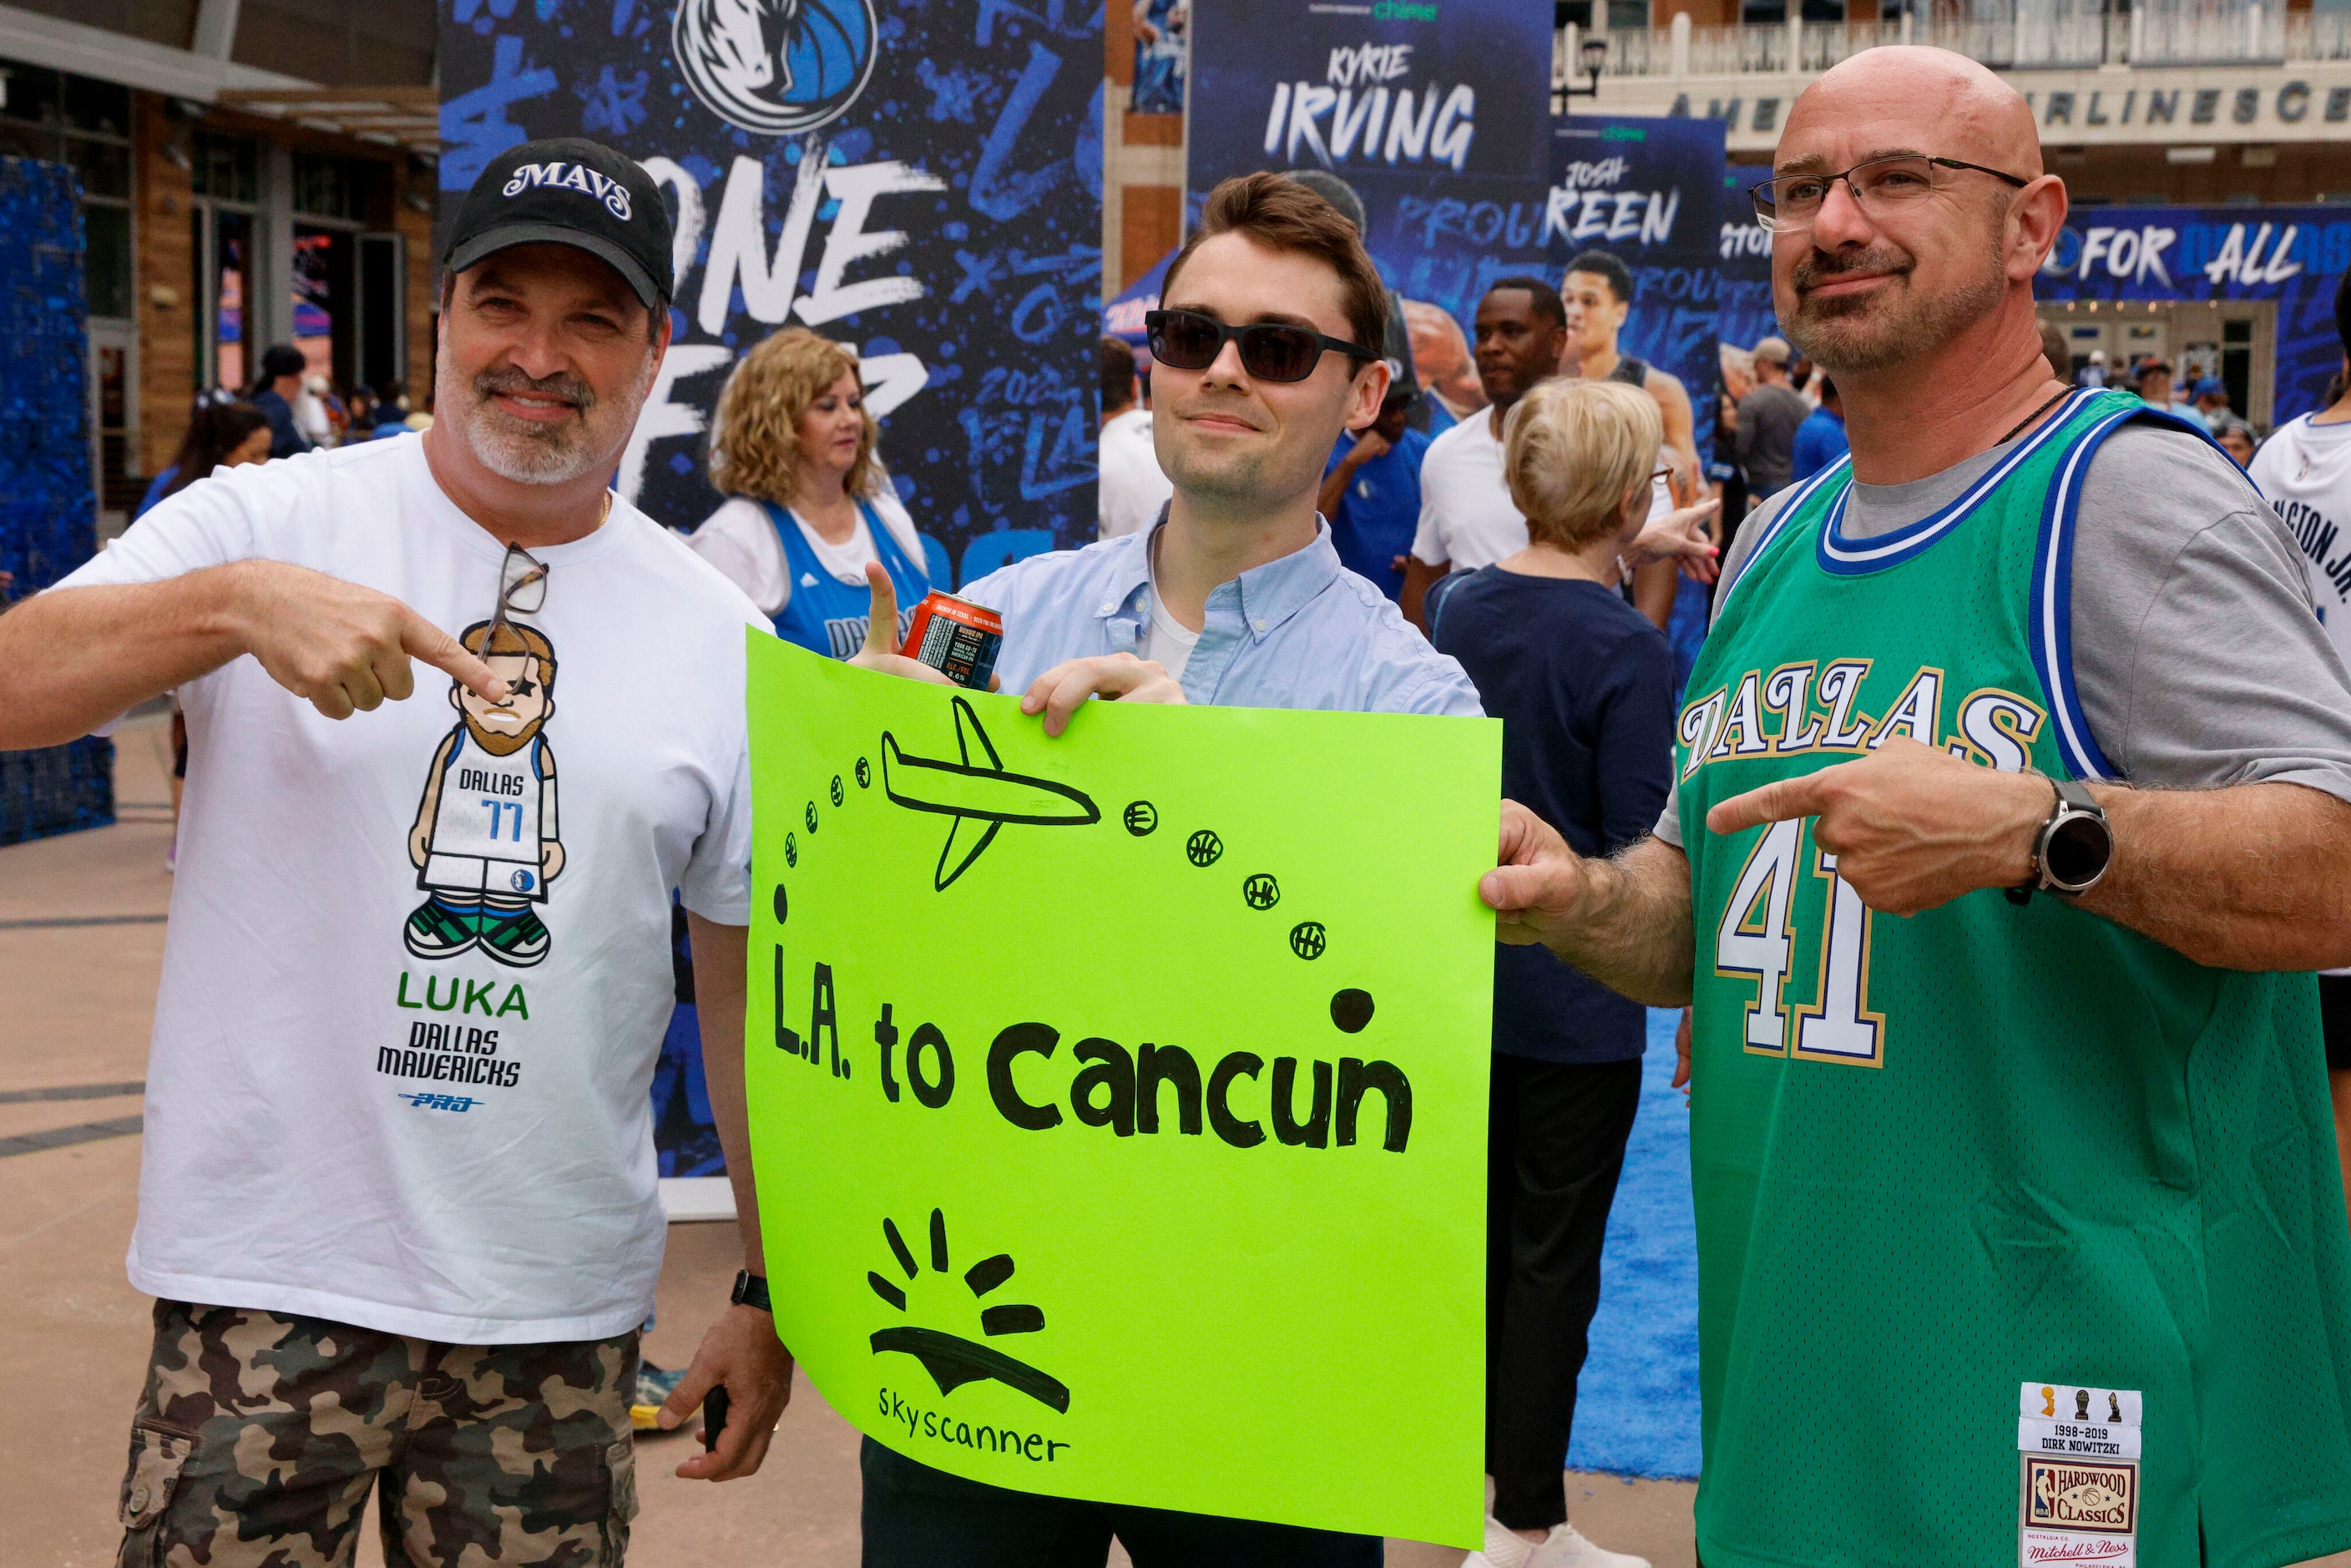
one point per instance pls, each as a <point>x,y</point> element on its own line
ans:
<point>969,792</point>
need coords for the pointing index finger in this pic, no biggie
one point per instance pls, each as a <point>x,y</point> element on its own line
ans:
<point>422,640</point>
<point>1778,802</point>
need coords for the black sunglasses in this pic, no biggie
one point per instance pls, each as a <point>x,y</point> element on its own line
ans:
<point>1190,341</point>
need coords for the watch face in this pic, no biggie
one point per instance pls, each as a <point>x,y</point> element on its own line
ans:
<point>2078,851</point>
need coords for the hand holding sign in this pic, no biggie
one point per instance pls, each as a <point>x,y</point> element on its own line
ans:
<point>1122,677</point>
<point>1912,828</point>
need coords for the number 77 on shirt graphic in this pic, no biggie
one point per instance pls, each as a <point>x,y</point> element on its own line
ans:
<point>484,841</point>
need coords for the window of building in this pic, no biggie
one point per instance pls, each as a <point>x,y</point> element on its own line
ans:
<point>85,125</point>
<point>226,167</point>
<point>327,187</point>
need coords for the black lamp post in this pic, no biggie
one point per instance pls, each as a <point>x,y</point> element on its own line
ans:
<point>1594,54</point>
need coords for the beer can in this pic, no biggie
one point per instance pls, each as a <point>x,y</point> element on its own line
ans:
<point>956,637</point>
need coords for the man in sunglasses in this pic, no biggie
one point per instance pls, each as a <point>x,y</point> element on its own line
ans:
<point>397,1200</point>
<point>1234,596</point>
<point>2035,673</point>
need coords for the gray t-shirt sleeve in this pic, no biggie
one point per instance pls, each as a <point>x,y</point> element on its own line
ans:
<point>2197,657</point>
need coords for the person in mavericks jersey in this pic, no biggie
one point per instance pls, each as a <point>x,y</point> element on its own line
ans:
<point>485,843</point>
<point>796,454</point>
<point>1994,1148</point>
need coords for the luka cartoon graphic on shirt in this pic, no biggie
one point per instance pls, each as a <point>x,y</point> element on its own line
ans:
<point>485,843</point>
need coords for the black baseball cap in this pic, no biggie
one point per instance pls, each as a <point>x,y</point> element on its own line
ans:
<point>568,190</point>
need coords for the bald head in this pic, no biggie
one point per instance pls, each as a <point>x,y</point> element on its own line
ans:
<point>1912,98</point>
<point>1928,220</point>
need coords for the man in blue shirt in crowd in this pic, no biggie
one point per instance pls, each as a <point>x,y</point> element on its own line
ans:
<point>1236,597</point>
<point>1371,491</point>
<point>283,364</point>
<point>1820,440</point>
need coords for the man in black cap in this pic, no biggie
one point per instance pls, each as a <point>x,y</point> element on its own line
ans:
<point>398,1201</point>
<point>280,384</point>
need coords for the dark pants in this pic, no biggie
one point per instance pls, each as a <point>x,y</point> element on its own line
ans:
<point>916,1517</point>
<point>1555,1147</point>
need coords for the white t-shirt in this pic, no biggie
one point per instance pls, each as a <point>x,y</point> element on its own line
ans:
<point>2304,471</point>
<point>738,539</point>
<point>1134,486</point>
<point>460,1146</point>
<point>1466,516</point>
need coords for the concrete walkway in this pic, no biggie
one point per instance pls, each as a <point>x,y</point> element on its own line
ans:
<point>81,941</point>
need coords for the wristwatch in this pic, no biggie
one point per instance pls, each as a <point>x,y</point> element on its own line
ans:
<point>751,1291</point>
<point>2074,847</point>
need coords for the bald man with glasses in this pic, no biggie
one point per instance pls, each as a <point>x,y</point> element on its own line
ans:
<point>2020,1225</point>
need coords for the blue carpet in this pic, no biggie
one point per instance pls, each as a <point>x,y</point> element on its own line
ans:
<point>1636,1404</point>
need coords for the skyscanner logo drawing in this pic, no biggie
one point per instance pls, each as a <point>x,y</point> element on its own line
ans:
<point>776,67</point>
<point>969,792</point>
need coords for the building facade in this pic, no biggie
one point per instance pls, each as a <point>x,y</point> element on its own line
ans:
<point>253,172</point>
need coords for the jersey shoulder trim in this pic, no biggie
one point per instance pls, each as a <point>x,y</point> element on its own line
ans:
<point>1838,473</point>
<point>2052,580</point>
<point>1849,556</point>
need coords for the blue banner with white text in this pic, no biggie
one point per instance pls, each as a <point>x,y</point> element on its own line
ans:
<point>1441,129</point>
<point>1646,192</point>
<point>921,181</point>
<point>2290,259</point>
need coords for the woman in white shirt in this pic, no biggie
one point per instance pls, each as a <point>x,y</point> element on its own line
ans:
<point>793,450</point>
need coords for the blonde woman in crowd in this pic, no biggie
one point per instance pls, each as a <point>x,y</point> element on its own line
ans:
<point>795,452</point>
<point>1583,684</point>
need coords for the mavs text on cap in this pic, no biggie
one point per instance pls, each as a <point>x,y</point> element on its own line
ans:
<point>574,177</point>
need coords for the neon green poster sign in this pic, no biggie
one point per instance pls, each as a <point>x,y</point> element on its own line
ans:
<point>1118,1100</point>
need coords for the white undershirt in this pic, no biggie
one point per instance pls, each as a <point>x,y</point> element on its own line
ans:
<point>1166,639</point>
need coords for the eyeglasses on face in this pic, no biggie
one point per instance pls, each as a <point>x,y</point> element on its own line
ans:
<point>1792,202</point>
<point>1270,351</point>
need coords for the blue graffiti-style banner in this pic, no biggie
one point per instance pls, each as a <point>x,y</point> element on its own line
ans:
<point>2295,256</point>
<point>921,181</point>
<point>1437,111</point>
<point>1646,192</point>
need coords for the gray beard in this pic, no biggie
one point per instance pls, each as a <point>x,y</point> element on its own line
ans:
<point>1841,340</point>
<point>1846,343</point>
<point>535,454</point>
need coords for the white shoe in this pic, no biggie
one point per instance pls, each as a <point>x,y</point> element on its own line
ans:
<point>1563,1548</point>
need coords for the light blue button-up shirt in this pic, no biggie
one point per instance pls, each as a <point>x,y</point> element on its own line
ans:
<point>1302,632</point>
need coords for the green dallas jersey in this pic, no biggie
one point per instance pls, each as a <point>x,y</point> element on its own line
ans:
<point>1938,1158</point>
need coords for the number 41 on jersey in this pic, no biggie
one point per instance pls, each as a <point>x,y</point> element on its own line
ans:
<point>1757,939</point>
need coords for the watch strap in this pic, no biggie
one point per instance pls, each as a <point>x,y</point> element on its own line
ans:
<point>751,1291</point>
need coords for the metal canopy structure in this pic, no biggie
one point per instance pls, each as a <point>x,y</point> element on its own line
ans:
<point>408,117</point>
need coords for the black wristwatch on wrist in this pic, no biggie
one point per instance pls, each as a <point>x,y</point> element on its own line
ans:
<point>751,1291</point>
<point>2074,847</point>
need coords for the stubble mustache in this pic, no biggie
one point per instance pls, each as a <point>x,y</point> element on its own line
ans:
<point>1823,266</point>
<point>510,381</point>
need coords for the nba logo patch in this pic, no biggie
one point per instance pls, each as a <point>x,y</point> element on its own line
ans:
<point>2079,1510</point>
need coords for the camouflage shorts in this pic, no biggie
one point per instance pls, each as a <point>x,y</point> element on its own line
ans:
<point>258,1436</point>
